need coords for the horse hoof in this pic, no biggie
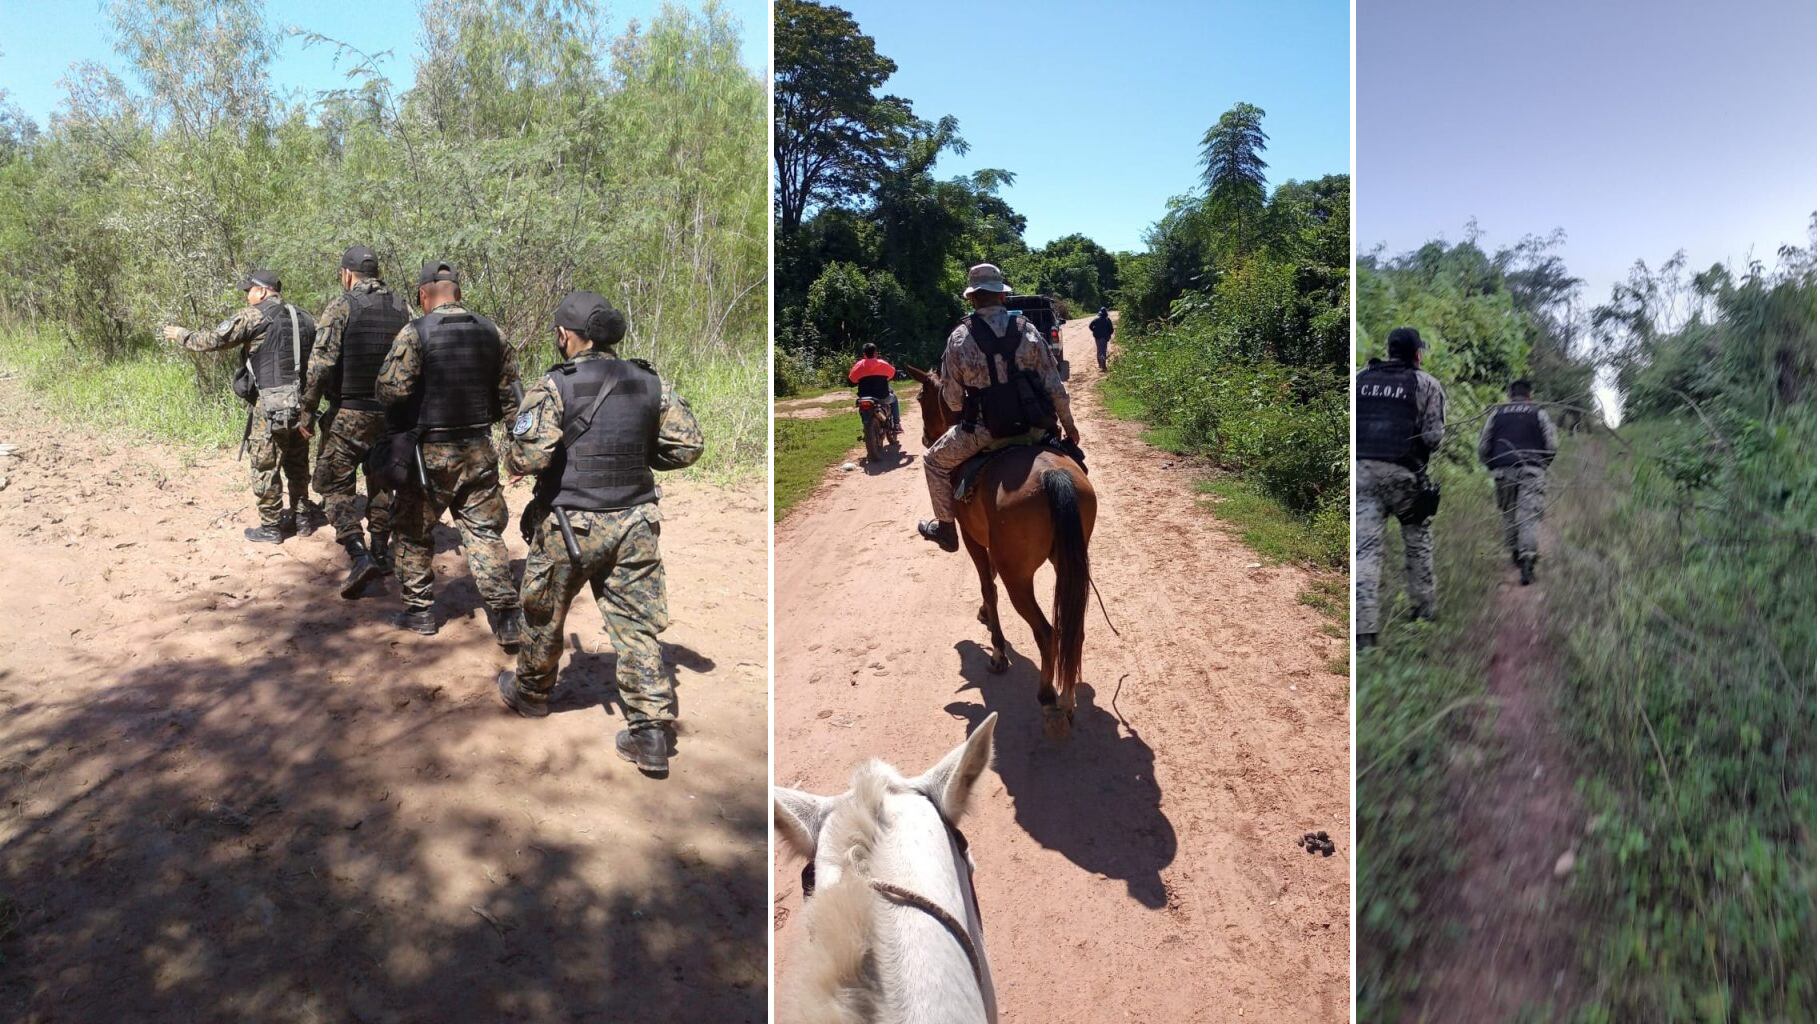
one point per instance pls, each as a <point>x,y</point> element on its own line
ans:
<point>998,664</point>
<point>985,620</point>
<point>1057,723</point>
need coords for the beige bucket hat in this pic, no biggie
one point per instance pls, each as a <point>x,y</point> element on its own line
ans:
<point>985,277</point>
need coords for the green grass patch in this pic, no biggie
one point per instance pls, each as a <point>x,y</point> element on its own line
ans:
<point>1265,525</point>
<point>806,448</point>
<point>163,395</point>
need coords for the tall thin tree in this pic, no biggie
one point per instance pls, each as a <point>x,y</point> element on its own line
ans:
<point>1232,163</point>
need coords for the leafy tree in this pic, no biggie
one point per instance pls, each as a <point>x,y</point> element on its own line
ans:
<point>833,134</point>
<point>1232,163</point>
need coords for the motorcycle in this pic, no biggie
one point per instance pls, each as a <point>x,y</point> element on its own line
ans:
<point>876,415</point>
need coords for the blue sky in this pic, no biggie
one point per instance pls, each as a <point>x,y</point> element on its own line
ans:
<point>42,38</point>
<point>1099,107</point>
<point>1689,127</point>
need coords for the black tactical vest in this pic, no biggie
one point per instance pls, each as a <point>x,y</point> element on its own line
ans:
<point>1516,436</point>
<point>1012,403</point>
<point>607,465</point>
<point>276,362</point>
<point>1389,426</point>
<point>374,320</point>
<point>462,353</point>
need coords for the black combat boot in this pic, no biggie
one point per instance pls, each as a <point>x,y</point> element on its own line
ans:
<point>268,533</point>
<point>1526,569</point>
<point>508,692</point>
<point>381,551</point>
<point>943,534</point>
<point>1516,559</point>
<point>508,626</point>
<point>310,517</point>
<point>361,569</point>
<point>1366,641</point>
<point>417,620</point>
<point>646,748</point>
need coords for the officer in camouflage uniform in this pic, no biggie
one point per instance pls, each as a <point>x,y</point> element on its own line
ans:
<point>279,452</point>
<point>972,380</point>
<point>1517,444</point>
<point>353,335</point>
<point>1401,420</point>
<point>593,430</point>
<point>453,376</point>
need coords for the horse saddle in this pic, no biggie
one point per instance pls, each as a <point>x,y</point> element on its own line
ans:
<point>966,475</point>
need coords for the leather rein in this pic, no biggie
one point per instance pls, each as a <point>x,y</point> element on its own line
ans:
<point>899,894</point>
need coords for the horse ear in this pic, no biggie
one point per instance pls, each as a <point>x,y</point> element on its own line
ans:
<point>799,818</point>
<point>951,781</point>
<point>920,376</point>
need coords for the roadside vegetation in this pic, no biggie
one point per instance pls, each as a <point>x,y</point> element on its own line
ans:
<point>1232,342</point>
<point>1681,621</point>
<point>871,245</point>
<point>530,149</point>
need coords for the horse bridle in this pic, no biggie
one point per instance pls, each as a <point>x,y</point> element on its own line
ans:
<point>924,903</point>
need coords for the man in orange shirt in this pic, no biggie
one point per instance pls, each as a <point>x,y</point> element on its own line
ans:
<point>874,375</point>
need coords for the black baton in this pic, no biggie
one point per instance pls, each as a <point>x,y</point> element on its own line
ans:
<point>568,536</point>
<point>423,475</point>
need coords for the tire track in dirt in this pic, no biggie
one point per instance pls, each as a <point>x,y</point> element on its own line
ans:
<point>1147,868</point>
<point>227,794</point>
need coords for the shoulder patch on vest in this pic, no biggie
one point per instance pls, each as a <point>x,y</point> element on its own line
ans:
<point>522,425</point>
<point>225,326</point>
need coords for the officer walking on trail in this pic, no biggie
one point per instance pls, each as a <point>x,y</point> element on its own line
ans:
<point>593,430</point>
<point>1402,417</point>
<point>1517,445</point>
<point>275,338</point>
<point>456,376</point>
<point>354,334</point>
<point>1101,326</point>
<point>993,366</point>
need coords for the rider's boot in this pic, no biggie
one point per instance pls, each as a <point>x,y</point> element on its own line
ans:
<point>943,534</point>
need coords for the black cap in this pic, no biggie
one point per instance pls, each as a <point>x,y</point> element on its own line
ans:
<point>437,271</point>
<point>1405,342</point>
<point>360,259</point>
<point>591,316</point>
<point>262,278</point>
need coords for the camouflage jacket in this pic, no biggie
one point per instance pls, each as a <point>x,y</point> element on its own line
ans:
<point>1431,410</point>
<point>327,353</point>
<point>403,366</point>
<point>964,365</point>
<point>244,329</point>
<point>537,432</point>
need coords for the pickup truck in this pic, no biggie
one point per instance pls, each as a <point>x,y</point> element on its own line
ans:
<point>1040,309</point>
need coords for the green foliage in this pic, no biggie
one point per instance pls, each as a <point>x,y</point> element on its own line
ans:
<point>517,153</point>
<point>1232,165</point>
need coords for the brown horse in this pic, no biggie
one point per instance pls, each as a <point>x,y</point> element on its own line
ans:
<point>1029,505</point>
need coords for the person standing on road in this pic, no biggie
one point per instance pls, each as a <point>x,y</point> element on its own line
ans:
<point>991,359</point>
<point>593,430</point>
<point>275,339</point>
<point>353,335</point>
<point>873,376</point>
<point>1517,444</point>
<point>1102,334</point>
<point>454,371</point>
<point>1401,420</point>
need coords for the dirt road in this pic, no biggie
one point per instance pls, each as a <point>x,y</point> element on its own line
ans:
<point>1147,868</point>
<point>226,794</point>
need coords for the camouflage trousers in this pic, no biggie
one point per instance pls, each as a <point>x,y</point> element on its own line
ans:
<point>1522,494</point>
<point>275,458</point>
<point>343,447</point>
<point>464,481</point>
<point>620,561</point>
<point>1384,490</point>
<point>943,457</point>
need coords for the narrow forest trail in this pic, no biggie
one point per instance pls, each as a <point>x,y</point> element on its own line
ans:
<point>1147,868</point>
<point>227,794</point>
<point>1506,945</point>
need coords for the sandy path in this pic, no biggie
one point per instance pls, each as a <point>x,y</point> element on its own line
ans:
<point>1147,869</point>
<point>226,794</point>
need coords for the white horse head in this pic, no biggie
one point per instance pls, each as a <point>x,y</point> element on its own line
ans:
<point>893,887</point>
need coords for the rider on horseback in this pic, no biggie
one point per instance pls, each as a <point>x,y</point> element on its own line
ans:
<point>997,372</point>
<point>873,375</point>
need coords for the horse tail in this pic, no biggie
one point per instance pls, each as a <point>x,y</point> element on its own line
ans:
<point>1070,575</point>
